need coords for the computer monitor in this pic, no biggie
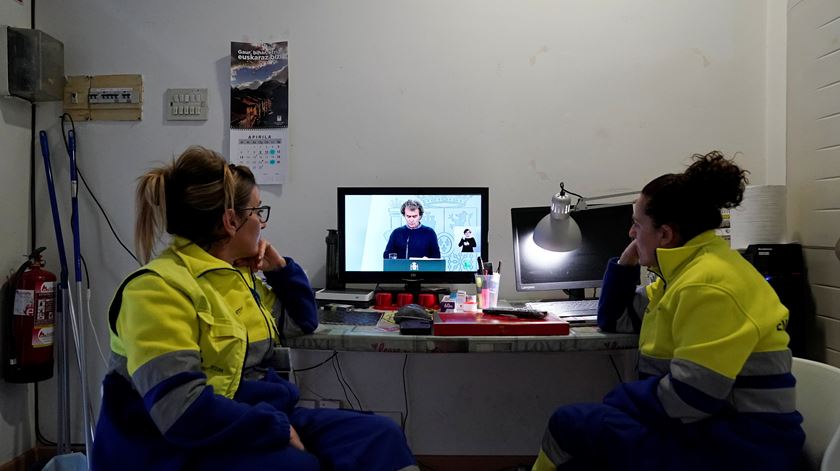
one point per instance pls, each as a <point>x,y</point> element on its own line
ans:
<point>369,218</point>
<point>604,234</point>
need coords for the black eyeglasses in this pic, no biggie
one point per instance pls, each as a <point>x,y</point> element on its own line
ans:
<point>262,212</point>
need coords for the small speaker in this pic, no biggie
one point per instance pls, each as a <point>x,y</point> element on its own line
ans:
<point>783,266</point>
<point>333,276</point>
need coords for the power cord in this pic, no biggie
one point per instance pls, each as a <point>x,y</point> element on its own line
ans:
<point>89,317</point>
<point>341,373</point>
<point>298,370</point>
<point>341,382</point>
<point>87,187</point>
<point>295,372</point>
<point>615,367</point>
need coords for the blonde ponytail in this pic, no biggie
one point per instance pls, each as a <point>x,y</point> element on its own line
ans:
<point>229,187</point>
<point>200,187</point>
<point>151,211</point>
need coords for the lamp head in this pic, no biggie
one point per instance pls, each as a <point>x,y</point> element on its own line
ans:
<point>557,231</point>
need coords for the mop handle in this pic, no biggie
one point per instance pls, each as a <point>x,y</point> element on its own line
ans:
<point>77,259</point>
<point>74,199</point>
<point>59,238</point>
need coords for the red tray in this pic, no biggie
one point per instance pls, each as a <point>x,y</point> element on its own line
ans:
<point>466,323</point>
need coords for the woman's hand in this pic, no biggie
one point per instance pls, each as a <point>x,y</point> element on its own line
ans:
<point>630,256</point>
<point>294,439</point>
<point>266,259</point>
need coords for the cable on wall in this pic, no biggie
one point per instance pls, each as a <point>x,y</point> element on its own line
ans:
<point>87,187</point>
<point>342,378</point>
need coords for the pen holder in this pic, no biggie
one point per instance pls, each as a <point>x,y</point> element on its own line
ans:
<point>487,290</point>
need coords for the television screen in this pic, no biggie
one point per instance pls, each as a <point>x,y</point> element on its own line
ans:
<point>604,234</point>
<point>393,234</point>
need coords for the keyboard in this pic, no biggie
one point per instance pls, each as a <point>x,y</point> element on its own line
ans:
<point>578,308</point>
<point>349,317</point>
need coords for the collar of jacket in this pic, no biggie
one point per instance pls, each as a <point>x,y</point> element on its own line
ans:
<point>673,261</point>
<point>197,260</point>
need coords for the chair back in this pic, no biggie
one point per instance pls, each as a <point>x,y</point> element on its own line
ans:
<point>818,400</point>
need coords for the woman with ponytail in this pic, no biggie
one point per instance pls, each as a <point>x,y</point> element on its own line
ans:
<point>715,388</point>
<point>195,340</point>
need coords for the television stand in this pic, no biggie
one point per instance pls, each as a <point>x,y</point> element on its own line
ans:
<point>413,286</point>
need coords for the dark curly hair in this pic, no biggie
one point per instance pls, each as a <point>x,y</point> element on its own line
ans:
<point>691,201</point>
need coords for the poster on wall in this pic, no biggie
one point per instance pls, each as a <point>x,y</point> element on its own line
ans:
<point>259,109</point>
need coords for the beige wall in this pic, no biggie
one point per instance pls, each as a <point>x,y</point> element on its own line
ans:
<point>16,408</point>
<point>814,160</point>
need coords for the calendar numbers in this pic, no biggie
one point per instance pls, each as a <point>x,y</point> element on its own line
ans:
<point>263,154</point>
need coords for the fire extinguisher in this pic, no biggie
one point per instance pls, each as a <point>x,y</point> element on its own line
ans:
<point>29,302</point>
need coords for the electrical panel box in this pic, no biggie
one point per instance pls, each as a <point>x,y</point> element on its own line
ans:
<point>33,68</point>
<point>104,97</point>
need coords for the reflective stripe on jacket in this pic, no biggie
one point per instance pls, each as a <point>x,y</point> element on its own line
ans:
<point>225,312</point>
<point>722,327</point>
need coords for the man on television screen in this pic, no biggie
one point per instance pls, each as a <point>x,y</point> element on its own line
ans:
<point>413,240</point>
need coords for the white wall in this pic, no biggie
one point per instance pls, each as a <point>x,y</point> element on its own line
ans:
<point>601,95</point>
<point>776,93</point>
<point>814,162</point>
<point>517,96</point>
<point>17,433</point>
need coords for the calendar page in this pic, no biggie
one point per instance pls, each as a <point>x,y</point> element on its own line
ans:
<point>259,109</point>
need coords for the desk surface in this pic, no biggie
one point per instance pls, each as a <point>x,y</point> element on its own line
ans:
<point>387,338</point>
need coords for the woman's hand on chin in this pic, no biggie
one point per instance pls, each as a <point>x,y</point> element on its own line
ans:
<point>266,259</point>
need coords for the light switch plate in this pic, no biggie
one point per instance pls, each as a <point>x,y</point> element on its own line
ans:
<point>186,104</point>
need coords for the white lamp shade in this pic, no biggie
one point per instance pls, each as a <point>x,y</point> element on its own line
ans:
<point>557,234</point>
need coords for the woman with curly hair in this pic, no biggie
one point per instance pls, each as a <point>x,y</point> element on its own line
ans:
<point>715,388</point>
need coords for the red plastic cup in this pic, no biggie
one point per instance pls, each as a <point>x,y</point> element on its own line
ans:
<point>427,300</point>
<point>384,300</point>
<point>404,298</point>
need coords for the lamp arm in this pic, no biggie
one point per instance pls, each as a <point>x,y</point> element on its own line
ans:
<point>615,195</point>
<point>582,202</point>
<point>563,191</point>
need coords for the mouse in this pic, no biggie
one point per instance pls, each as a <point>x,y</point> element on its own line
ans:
<point>412,312</point>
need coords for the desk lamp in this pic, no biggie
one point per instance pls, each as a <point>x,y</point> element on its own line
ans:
<point>557,231</point>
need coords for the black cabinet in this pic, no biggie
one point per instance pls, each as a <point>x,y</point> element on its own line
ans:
<point>783,266</point>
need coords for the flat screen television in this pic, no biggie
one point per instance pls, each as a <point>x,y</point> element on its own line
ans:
<point>378,244</point>
<point>604,234</point>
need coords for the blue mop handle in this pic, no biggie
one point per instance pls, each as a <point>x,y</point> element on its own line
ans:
<point>62,257</point>
<point>74,199</point>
